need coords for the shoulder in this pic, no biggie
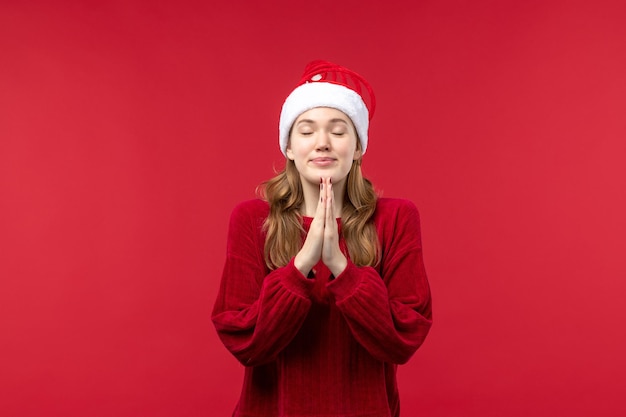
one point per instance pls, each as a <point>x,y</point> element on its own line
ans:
<point>250,210</point>
<point>397,220</point>
<point>255,205</point>
<point>395,207</point>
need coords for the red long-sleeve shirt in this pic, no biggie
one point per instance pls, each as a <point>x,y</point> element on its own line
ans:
<point>323,347</point>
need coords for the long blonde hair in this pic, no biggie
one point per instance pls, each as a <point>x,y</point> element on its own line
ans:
<point>284,223</point>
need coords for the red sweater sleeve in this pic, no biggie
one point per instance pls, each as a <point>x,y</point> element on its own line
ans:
<point>257,313</point>
<point>389,312</point>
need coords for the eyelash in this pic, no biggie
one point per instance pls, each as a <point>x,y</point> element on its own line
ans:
<point>332,133</point>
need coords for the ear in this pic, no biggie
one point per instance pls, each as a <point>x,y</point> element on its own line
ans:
<point>289,153</point>
<point>357,154</point>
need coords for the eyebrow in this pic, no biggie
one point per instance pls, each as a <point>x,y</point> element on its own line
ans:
<point>335,120</point>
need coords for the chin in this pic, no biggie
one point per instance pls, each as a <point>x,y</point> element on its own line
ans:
<point>313,176</point>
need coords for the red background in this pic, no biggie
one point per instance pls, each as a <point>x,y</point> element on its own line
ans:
<point>129,130</point>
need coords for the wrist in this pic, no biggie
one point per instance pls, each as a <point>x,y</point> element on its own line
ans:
<point>338,266</point>
<point>302,266</point>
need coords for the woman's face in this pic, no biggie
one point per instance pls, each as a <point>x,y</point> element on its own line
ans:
<point>322,143</point>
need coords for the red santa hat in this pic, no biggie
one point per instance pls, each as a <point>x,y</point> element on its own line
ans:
<point>325,84</point>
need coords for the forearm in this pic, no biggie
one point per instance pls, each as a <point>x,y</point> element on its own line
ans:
<point>256,328</point>
<point>390,326</point>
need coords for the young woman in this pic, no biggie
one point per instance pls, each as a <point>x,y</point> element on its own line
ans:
<point>324,290</point>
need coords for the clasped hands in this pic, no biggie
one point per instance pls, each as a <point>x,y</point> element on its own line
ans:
<point>322,241</point>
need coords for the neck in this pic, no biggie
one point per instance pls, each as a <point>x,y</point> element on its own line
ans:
<point>312,197</point>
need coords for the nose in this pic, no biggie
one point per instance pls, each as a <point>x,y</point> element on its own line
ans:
<point>323,141</point>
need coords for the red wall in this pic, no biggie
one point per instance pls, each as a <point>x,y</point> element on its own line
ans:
<point>129,129</point>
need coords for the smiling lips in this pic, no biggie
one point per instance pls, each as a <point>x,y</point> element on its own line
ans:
<point>323,161</point>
